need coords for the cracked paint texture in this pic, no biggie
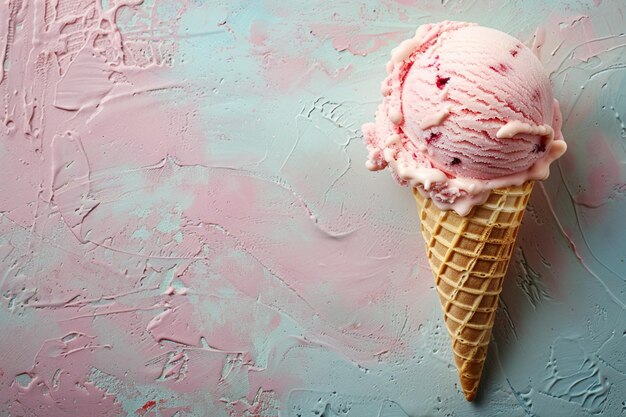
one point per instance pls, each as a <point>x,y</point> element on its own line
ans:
<point>187,227</point>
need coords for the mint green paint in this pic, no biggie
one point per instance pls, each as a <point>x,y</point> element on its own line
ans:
<point>141,233</point>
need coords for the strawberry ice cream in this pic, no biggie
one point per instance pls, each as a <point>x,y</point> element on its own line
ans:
<point>465,110</point>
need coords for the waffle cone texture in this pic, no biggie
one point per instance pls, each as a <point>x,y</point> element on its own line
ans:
<point>469,257</point>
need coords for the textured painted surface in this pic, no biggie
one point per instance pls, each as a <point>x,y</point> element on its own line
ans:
<point>187,227</point>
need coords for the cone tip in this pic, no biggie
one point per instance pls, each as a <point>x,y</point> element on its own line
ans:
<point>470,395</point>
<point>469,387</point>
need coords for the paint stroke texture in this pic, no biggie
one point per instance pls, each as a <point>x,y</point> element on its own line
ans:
<point>187,227</point>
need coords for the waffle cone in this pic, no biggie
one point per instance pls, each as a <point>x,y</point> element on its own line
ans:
<point>469,257</point>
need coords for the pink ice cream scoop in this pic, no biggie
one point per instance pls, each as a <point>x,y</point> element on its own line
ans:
<point>465,109</point>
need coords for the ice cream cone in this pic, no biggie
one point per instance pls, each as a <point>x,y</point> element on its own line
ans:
<point>469,257</point>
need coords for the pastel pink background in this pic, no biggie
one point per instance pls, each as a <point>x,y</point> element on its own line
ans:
<point>187,227</point>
